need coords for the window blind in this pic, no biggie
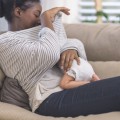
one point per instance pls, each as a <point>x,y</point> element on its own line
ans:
<point>87,10</point>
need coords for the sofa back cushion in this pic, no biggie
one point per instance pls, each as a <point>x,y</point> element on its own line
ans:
<point>101,41</point>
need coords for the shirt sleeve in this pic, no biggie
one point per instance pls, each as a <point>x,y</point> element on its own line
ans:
<point>59,29</point>
<point>49,43</point>
<point>64,42</point>
<point>47,47</point>
<point>26,58</point>
<point>76,45</point>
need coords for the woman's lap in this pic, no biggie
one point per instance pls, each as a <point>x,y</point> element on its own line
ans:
<point>94,98</point>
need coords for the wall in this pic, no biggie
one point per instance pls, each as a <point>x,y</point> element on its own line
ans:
<point>72,4</point>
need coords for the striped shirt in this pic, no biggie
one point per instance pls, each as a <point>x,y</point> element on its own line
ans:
<point>26,56</point>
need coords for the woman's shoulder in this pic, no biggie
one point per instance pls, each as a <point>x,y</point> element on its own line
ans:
<point>5,38</point>
<point>6,35</point>
<point>10,37</point>
<point>2,32</point>
<point>25,31</point>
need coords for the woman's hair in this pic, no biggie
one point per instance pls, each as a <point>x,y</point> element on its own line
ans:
<point>7,7</point>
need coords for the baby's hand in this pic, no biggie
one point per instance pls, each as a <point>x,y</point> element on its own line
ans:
<point>95,78</point>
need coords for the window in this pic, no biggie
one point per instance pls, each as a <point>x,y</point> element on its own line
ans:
<point>111,8</point>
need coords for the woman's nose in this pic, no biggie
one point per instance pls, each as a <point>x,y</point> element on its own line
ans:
<point>39,22</point>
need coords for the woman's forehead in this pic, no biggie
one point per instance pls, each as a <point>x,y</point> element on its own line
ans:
<point>34,5</point>
<point>37,6</point>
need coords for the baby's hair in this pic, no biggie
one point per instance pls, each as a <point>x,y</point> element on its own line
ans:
<point>7,7</point>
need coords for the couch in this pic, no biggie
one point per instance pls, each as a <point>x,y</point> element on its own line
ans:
<point>101,43</point>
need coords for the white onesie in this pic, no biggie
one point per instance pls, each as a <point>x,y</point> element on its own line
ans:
<point>84,71</point>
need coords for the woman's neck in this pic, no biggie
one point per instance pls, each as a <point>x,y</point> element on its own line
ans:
<point>13,26</point>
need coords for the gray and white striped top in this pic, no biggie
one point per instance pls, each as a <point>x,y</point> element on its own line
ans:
<point>26,56</point>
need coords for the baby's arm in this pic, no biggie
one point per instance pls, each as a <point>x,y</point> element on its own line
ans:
<point>68,82</point>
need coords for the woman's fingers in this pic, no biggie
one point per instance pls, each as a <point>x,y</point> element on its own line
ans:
<point>65,10</point>
<point>70,61</point>
<point>62,59</point>
<point>52,12</point>
<point>77,59</point>
<point>66,59</point>
<point>62,9</point>
<point>66,62</point>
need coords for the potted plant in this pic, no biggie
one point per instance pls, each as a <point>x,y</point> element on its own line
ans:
<point>99,11</point>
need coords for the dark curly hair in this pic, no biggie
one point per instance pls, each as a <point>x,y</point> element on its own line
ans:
<point>7,7</point>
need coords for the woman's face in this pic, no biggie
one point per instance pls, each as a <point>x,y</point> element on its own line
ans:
<point>31,17</point>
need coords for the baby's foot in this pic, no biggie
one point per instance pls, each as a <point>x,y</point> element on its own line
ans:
<point>95,78</point>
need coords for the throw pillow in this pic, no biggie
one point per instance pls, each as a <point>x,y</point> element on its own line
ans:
<point>13,93</point>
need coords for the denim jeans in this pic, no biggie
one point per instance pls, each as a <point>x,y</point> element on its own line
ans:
<point>94,98</point>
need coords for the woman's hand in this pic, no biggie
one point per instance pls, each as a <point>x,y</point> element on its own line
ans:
<point>52,12</point>
<point>66,59</point>
<point>48,16</point>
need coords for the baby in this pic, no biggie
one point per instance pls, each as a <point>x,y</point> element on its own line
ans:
<point>78,75</point>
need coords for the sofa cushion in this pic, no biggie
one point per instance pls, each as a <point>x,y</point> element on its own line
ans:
<point>11,112</point>
<point>106,69</point>
<point>12,93</point>
<point>101,41</point>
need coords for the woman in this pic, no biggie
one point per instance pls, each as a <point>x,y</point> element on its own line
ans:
<point>26,57</point>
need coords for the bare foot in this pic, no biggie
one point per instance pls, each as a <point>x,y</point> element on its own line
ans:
<point>95,78</point>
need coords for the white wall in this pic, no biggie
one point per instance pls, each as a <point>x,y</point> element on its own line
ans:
<point>47,4</point>
<point>72,4</point>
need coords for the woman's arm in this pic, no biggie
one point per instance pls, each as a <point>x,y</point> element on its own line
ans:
<point>70,49</point>
<point>66,43</point>
<point>70,53</point>
<point>49,40</point>
<point>77,45</point>
<point>50,15</point>
<point>69,82</point>
<point>59,29</point>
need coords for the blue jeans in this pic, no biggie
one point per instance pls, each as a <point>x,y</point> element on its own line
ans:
<point>94,98</point>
